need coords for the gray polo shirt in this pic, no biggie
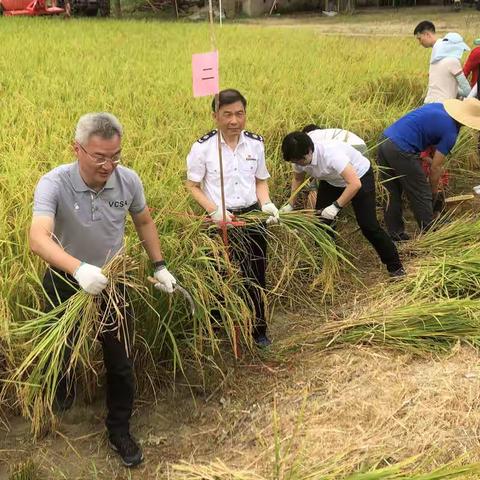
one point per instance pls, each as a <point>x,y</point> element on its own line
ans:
<point>89,225</point>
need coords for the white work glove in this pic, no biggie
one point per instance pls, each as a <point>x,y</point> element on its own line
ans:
<point>166,281</point>
<point>90,278</point>
<point>270,208</point>
<point>217,215</point>
<point>476,190</point>
<point>286,208</point>
<point>330,212</point>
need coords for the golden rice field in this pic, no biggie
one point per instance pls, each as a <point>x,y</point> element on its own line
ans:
<point>358,385</point>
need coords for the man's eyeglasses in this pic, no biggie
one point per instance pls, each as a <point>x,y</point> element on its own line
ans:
<point>101,159</point>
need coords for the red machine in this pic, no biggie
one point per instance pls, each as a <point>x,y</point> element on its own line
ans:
<point>28,7</point>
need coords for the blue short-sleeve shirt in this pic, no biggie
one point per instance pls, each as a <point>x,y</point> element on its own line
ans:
<point>429,125</point>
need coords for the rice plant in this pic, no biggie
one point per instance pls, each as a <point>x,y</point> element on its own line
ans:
<point>26,470</point>
<point>164,325</point>
<point>68,73</point>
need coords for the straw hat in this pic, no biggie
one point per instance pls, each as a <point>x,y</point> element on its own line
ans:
<point>466,112</point>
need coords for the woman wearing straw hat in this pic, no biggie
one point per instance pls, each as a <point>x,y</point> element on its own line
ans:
<point>435,124</point>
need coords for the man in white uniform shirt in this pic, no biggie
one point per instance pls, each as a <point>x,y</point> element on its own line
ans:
<point>318,135</point>
<point>345,175</point>
<point>78,225</point>
<point>245,178</point>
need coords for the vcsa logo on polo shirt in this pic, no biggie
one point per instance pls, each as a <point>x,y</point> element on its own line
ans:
<point>118,203</point>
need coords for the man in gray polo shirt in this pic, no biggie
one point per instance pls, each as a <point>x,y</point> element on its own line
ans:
<point>78,225</point>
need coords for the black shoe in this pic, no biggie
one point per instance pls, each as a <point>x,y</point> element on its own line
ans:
<point>400,237</point>
<point>397,274</point>
<point>127,448</point>
<point>261,340</point>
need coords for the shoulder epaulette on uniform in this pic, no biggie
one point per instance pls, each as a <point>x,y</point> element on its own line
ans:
<point>253,135</point>
<point>207,136</point>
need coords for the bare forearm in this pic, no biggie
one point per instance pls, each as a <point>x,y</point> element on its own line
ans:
<point>435,174</point>
<point>148,235</point>
<point>200,197</point>
<point>47,249</point>
<point>263,195</point>
<point>436,170</point>
<point>296,183</point>
<point>349,192</point>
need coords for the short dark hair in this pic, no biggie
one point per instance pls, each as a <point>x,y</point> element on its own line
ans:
<point>229,96</point>
<point>425,26</point>
<point>296,145</point>
<point>310,128</point>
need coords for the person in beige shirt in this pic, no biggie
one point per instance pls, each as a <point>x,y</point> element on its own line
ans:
<point>445,81</point>
<point>446,78</point>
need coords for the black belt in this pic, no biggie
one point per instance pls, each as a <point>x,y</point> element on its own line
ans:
<point>241,211</point>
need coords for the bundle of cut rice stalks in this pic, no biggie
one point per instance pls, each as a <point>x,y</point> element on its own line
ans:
<point>421,326</point>
<point>73,325</point>
<point>451,235</point>
<point>303,256</point>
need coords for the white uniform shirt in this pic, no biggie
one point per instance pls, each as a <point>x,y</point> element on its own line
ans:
<point>327,134</point>
<point>330,159</point>
<point>241,168</point>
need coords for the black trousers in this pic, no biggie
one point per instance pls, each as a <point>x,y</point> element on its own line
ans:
<point>411,180</point>
<point>248,250</point>
<point>364,207</point>
<point>118,365</point>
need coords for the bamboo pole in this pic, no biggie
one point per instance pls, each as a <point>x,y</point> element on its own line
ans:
<point>236,344</point>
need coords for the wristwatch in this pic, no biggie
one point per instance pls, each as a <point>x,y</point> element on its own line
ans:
<point>335,203</point>
<point>159,265</point>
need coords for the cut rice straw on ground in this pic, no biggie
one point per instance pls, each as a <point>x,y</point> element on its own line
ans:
<point>450,237</point>
<point>419,327</point>
<point>431,309</point>
<point>442,276</point>
<point>402,471</point>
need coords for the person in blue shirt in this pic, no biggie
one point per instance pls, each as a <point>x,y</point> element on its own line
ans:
<point>434,124</point>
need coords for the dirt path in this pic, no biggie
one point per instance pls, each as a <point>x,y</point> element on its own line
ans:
<point>379,22</point>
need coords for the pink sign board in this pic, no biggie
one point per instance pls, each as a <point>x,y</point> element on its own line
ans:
<point>205,74</point>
